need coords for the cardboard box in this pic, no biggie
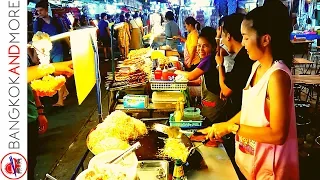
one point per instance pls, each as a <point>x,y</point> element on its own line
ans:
<point>136,101</point>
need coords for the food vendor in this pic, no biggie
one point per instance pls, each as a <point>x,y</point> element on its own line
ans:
<point>191,60</point>
<point>212,105</point>
<point>233,82</point>
<point>265,128</point>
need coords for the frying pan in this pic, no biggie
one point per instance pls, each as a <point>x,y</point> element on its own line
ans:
<point>153,142</point>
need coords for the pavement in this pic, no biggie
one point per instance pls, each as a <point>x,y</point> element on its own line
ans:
<point>67,126</point>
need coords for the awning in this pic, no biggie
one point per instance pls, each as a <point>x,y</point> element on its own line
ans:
<point>125,9</point>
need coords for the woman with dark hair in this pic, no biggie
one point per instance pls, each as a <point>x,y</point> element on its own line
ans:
<point>124,37</point>
<point>212,105</point>
<point>191,60</point>
<point>265,128</point>
<point>171,30</point>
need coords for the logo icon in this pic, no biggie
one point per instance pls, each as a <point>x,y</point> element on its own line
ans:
<point>14,165</point>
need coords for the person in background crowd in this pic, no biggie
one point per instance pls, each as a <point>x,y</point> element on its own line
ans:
<point>233,82</point>
<point>212,105</point>
<point>265,128</point>
<point>52,26</point>
<point>105,36</point>
<point>117,18</point>
<point>97,18</point>
<point>145,19</point>
<point>124,37</point>
<point>76,24</point>
<point>30,21</point>
<point>91,23</point>
<point>128,17</point>
<point>191,60</point>
<point>171,30</point>
<point>42,120</point>
<point>33,73</point>
<point>136,32</point>
<point>83,20</point>
<point>110,21</point>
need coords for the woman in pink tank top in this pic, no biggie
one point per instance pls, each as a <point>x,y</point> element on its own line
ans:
<point>265,128</point>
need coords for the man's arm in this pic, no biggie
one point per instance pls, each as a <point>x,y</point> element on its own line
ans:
<point>225,90</point>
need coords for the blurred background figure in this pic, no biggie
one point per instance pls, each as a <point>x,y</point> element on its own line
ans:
<point>124,37</point>
<point>171,29</point>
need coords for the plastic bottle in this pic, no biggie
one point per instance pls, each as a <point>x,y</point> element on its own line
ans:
<point>158,74</point>
<point>178,172</point>
<point>177,113</point>
<point>165,74</point>
<point>181,103</point>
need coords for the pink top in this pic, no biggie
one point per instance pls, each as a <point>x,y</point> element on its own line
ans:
<point>187,58</point>
<point>262,161</point>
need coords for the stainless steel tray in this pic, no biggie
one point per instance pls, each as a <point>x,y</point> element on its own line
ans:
<point>153,170</point>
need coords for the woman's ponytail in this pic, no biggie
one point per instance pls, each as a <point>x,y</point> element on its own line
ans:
<point>197,26</point>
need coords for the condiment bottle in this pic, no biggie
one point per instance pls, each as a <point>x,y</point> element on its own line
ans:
<point>165,74</point>
<point>171,74</point>
<point>158,74</point>
<point>178,172</point>
<point>181,103</point>
<point>177,113</point>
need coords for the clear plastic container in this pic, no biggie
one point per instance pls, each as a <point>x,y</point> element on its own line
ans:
<point>167,96</point>
<point>192,113</point>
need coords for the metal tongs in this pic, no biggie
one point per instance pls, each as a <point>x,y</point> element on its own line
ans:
<point>123,155</point>
<point>192,150</point>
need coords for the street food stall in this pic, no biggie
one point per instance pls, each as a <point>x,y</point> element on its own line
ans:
<point>152,126</point>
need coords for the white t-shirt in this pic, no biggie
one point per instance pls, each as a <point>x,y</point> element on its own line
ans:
<point>228,62</point>
<point>136,23</point>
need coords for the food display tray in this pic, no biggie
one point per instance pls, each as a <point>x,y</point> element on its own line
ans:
<point>153,170</point>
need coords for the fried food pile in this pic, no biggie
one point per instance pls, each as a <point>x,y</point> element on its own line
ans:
<point>175,149</point>
<point>115,132</point>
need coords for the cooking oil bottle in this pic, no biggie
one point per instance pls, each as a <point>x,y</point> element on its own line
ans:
<point>177,113</point>
<point>178,172</point>
<point>181,107</point>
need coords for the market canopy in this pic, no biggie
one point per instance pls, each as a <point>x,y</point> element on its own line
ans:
<point>125,9</point>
